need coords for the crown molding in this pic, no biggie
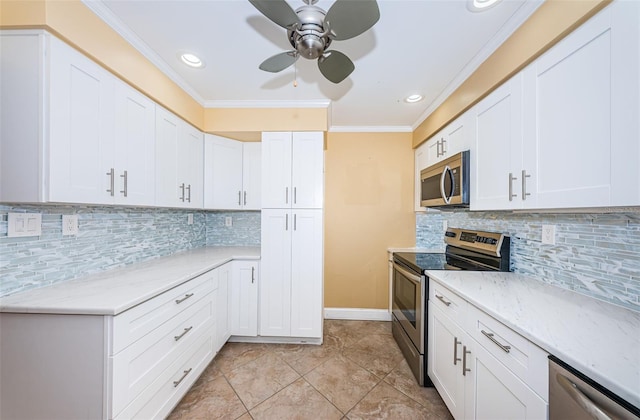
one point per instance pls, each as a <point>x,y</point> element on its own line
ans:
<point>517,19</point>
<point>371,129</point>
<point>268,104</point>
<point>104,13</point>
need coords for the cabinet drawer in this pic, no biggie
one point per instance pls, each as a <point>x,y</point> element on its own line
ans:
<point>137,366</point>
<point>450,303</point>
<point>133,324</point>
<point>159,398</point>
<point>526,360</point>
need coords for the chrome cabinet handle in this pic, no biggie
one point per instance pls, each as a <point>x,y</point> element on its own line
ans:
<point>511,179</point>
<point>443,300</point>
<point>491,337</point>
<point>125,179</point>
<point>295,195</point>
<point>524,184</point>
<point>582,400</point>
<point>286,222</point>
<point>184,375</point>
<point>187,296</point>
<point>245,198</point>
<point>438,148</point>
<point>189,190</point>
<point>444,152</point>
<point>181,198</point>
<point>111,181</point>
<point>295,222</point>
<point>465,369</point>
<point>253,274</point>
<point>456,359</point>
<point>186,330</point>
<point>286,195</point>
<point>239,198</point>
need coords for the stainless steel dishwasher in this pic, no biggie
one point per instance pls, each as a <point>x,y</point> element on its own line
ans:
<point>572,395</point>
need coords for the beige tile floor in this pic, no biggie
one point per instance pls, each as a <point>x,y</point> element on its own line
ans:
<point>357,373</point>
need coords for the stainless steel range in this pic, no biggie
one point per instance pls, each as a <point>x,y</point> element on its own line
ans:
<point>466,250</point>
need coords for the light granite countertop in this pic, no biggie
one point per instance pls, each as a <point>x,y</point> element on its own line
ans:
<point>597,338</point>
<point>114,291</point>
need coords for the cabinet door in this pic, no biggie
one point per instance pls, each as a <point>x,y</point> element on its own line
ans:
<point>307,168</point>
<point>82,116</point>
<point>223,330</point>
<point>494,392</point>
<point>191,165</point>
<point>579,87</point>
<point>252,176</point>
<point>276,170</point>
<point>307,274</point>
<point>135,147</point>
<point>168,192</point>
<point>498,148</point>
<point>244,298</point>
<point>275,259</point>
<point>444,360</point>
<point>433,149</point>
<point>222,173</point>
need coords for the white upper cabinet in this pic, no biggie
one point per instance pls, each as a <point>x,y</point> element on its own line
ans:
<point>232,174</point>
<point>292,169</point>
<point>563,133</point>
<point>452,139</point>
<point>179,162</point>
<point>581,115</point>
<point>78,134</point>
<point>498,150</point>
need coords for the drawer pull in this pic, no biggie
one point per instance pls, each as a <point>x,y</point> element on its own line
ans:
<point>186,330</point>
<point>184,375</point>
<point>187,296</point>
<point>496,342</point>
<point>443,300</point>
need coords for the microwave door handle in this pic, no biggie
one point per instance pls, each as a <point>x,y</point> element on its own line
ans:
<point>446,197</point>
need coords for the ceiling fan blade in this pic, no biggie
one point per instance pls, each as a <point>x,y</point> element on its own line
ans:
<point>349,18</point>
<point>278,11</point>
<point>335,66</point>
<point>279,62</point>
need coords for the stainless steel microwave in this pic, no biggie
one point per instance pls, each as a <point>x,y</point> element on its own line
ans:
<point>446,183</point>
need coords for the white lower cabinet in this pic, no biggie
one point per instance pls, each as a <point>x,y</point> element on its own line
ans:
<point>291,299</point>
<point>137,364</point>
<point>244,298</point>
<point>481,368</point>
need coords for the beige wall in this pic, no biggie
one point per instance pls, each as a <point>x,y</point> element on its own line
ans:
<point>368,208</point>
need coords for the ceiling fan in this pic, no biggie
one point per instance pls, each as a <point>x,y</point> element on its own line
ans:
<point>311,30</point>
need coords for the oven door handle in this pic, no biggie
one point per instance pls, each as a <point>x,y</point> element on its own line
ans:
<point>408,274</point>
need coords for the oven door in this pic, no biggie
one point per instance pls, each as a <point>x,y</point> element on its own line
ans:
<point>409,304</point>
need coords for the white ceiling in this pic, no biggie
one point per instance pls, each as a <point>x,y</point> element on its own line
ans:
<point>417,46</point>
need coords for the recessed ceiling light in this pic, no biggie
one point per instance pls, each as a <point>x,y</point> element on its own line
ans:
<point>191,60</point>
<point>413,98</point>
<point>481,5</point>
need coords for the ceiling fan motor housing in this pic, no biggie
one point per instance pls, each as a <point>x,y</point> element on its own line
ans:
<point>310,39</point>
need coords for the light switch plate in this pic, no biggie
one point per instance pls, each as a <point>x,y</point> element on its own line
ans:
<point>24,224</point>
<point>189,219</point>
<point>69,224</point>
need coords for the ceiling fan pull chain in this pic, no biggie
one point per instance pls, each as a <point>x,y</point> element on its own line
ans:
<point>295,74</point>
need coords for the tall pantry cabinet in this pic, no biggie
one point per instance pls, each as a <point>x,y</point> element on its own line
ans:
<point>291,289</point>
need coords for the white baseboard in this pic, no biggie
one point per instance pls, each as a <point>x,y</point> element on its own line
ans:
<point>357,314</point>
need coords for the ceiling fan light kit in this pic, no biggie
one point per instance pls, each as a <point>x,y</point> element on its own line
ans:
<point>311,30</point>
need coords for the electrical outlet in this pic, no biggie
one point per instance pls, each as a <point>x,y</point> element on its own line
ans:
<point>69,224</point>
<point>549,234</point>
<point>228,221</point>
<point>189,219</point>
<point>444,225</point>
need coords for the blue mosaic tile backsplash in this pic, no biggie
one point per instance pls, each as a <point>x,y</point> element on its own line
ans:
<point>595,254</point>
<point>109,237</point>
